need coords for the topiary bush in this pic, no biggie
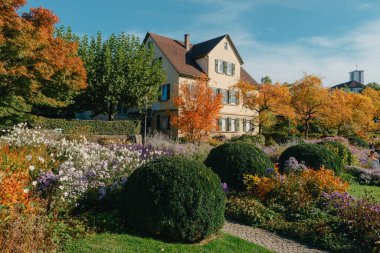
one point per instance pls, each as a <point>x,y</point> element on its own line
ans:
<point>358,141</point>
<point>254,139</point>
<point>175,198</point>
<point>339,149</point>
<point>234,159</point>
<point>314,156</point>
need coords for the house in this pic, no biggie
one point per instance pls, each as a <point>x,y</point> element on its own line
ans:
<point>182,61</point>
<point>355,84</point>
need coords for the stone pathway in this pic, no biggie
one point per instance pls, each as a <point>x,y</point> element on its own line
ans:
<point>266,239</point>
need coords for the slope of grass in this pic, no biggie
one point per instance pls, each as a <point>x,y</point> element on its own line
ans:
<point>358,191</point>
<point>126,243</point>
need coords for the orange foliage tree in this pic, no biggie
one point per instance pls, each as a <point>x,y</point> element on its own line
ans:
<point>198,109</point>
<point>309,100</point>
<point>338,113</point>
<point>36,67</point>
<point>374,95</point>
<point>267,100</point>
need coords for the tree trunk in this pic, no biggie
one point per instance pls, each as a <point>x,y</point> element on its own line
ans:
<point>307,129</point>
<point>110,112</point>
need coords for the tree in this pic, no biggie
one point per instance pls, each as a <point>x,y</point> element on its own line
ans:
<point>374,86</point>
<point>268,100</point>
<point>309,100</point>
<point>198,109</point>
<point>338,113</point>
<point>37,69</point>
<point>363,113</point>
<point>121,72</point>
<point>266,79</point>
<point>374,96</point>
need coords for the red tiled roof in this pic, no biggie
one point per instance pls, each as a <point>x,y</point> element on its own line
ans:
<point>183,60</point>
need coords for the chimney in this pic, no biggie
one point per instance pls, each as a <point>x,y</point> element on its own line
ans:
<point>187,41</point>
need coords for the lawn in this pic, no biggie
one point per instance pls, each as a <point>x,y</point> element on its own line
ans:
<point>125,243</point>
<point>358,190</point>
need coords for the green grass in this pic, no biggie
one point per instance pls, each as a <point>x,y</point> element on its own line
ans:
<point>358,191</point>
<point>125,243</point>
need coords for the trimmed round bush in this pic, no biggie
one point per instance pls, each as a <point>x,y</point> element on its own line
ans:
<point>174,198</point>
<point>232,160</point>
<point>339,149</point>
<point>314,156</point>
<point>254,139</point>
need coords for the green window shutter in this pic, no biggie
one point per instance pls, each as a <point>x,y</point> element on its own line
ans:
<point>237,121</point>
<point>228,124</point>
<point>216,66</point>
<point>244,121</point>
<point>228,97</point>
<point>225,67</point>
<point>233,69</point>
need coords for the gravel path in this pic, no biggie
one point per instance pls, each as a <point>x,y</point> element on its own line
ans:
<point>266,239</point>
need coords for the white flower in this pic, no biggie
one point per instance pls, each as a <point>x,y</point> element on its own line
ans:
<point>65,194</point>
<point>41,159</point>
<point>31,168</point>
<point>61,187</point>
<point>26,190</point>
<point>34,183</point>
<point>29,157</point>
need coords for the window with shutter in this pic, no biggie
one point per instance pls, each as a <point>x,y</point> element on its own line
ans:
<point>225,67</point>
<point>232,125</point>
<point>237,128</point>
<point>225,96</point>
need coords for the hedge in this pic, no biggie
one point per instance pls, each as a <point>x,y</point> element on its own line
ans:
<point>97,127</point>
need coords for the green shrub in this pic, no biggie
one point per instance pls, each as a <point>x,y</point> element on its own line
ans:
<point>358,141</point>
<point>250,211</point>
<point>278,137</point>
<point>339,149</point>
<point>234,159</point>
<point>98,127</point>
<point>175,198</point>
<point>315,156</point>
<point>254,139</point>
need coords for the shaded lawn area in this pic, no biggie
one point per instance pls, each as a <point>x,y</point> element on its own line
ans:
<point>358,191</point>
<point>125,243</point>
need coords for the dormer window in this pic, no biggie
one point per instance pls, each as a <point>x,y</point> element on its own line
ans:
<point>225,45</point>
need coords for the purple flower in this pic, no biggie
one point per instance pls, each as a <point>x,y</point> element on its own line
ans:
<point>225,187</point>
<point>47,179</point>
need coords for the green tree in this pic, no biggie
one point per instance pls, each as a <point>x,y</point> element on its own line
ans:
<point>120,72</point>
<point>374,85</point>
<point>266,79</point>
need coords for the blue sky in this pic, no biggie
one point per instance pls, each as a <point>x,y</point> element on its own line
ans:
<point>282,39</point>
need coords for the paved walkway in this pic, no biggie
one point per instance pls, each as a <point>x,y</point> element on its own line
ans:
<point>266,239</point>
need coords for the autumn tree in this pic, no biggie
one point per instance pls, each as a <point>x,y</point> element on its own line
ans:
<point>338,113</point>
<point>37,69</point>
<point>374,96</point>
<point>267,99</point>
<point>363,113</point>
<point>121,72</point>
<point>309,100</point>
<point>198,109</point>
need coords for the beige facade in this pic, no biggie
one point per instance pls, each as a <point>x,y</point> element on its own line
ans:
<point>235,119</point>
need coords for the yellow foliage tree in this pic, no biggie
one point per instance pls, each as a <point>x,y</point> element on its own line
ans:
<point>267,100</point>
<point>309,100</point>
